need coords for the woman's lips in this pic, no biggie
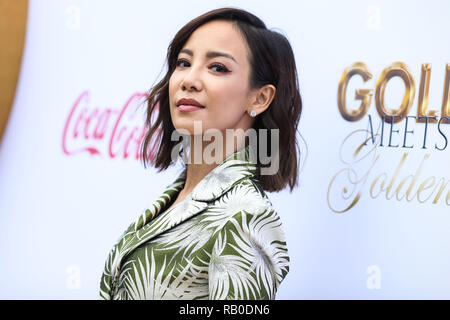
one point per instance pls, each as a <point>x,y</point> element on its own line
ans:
<point>188,108</point>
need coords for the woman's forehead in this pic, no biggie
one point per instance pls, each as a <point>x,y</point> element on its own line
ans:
<point>216,37</point>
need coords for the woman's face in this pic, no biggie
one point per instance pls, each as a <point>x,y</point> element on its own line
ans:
<point>219,83</point>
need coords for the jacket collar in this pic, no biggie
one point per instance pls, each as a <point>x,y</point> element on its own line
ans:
<point>237,166</point>
<point>233,168</point>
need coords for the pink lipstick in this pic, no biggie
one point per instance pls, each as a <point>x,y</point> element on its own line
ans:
<point>188,105</point>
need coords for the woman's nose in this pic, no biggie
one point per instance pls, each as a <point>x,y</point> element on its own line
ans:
<point>191,81</point>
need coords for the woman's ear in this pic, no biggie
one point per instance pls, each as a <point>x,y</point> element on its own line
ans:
<point>262,98</point>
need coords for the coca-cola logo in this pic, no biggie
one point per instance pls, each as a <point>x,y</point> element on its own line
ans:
<point>105,131</point>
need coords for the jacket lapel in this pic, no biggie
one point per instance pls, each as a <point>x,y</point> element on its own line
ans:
<point>167,197</point>
<point>165,221</point>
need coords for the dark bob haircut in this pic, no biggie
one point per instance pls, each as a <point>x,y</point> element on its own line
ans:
<point>271,62</point>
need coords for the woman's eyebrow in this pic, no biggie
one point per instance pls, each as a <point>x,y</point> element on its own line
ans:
<point>210,54</point>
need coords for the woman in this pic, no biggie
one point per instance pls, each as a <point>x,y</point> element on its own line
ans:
<point>213,233</point>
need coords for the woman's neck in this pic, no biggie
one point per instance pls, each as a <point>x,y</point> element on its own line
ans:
<point>204,156</point>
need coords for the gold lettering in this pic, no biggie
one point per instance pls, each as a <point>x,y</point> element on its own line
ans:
<point>424,89</point>
<point>397,191</point>
<point>438,195</point>
<point>348,185</point>
<point>446,97</point>
<point>424,186</point>
<point>408,192</point>
<point>395,176</point>
<point>397,69</point>
<point>365,95</point>
<point>381,185</point>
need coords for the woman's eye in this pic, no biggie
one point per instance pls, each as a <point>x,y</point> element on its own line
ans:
<point>220,67</point>
<point>181,61</point>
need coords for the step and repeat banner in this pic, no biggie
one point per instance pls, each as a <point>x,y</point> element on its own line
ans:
<point>370,218</point>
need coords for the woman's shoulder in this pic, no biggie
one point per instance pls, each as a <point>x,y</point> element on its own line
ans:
<point>246,196</point>
<point>253,187</point>
<point>252,222</point>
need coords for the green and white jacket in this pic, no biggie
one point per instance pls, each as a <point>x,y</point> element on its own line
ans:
<point>223,241</point>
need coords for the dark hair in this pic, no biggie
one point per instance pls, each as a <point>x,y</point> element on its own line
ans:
<point>271,62</point>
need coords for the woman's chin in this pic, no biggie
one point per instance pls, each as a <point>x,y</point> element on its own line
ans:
<point>189,126</point>
<point>188,130</point>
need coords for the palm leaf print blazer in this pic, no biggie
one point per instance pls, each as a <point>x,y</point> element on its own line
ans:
<point>223,241</point>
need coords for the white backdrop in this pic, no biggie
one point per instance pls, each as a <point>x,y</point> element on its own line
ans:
<point>70,183</point>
